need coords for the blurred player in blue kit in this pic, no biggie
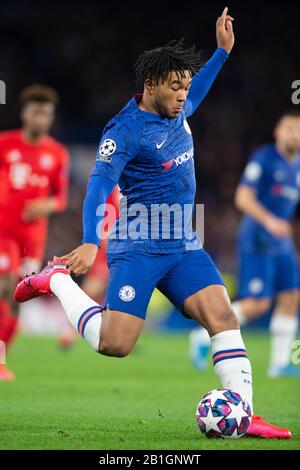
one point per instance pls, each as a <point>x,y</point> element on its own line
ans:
<point>267,195</point>
<point>147,148</point>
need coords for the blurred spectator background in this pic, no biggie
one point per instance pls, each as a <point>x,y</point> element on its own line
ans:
<point>86,50</point>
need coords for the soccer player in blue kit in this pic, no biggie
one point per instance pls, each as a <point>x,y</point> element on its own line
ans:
<point>268,194</point>
<point>147,148</point>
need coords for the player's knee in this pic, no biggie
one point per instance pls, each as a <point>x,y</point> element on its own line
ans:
<point>114,348</point>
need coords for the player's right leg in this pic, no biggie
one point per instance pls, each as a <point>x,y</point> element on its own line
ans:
<point>112,330</point>
<point>90,319</point>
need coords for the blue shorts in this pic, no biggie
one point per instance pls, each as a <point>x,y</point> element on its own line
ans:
<point>265,275</point>
<point>134,275</point>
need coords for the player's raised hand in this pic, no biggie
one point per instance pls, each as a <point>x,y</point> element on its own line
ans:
<point>82,258</point>
<point>224,31</point>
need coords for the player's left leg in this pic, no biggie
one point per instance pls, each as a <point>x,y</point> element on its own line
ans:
<point>197,289</point>
<point>211,308</point>
<point>256,290</point>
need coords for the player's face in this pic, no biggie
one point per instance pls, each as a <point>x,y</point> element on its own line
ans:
<point>169,96</point>
<point>287,134</point>
<point>38,117</point>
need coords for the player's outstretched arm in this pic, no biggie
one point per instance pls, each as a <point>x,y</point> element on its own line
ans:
<point>204,79</point>
<point>82,258</point>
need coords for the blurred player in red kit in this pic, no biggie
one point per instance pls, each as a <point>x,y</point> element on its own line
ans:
<point>96,280</point>
<point>34,184</point>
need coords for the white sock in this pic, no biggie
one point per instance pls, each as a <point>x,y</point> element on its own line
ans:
<point>238,311</point>
<point>231,363</point>
<point>283,332</point>
<point>83,312</point>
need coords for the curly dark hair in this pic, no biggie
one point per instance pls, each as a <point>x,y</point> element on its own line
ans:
<point>157,63</point>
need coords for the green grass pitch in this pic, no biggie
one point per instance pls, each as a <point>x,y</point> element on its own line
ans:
<point>79,400</point>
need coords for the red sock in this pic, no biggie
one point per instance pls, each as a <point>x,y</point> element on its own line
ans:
<point>8,324</point>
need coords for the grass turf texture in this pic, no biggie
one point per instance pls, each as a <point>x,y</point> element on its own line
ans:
<point>79,400</point>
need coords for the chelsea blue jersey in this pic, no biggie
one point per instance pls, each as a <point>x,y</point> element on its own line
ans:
<point>276,181</point>
<point>151,158</point>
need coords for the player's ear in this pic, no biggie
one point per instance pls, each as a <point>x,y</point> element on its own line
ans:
<point>149,86</point>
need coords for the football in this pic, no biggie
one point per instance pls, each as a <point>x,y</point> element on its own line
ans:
<point>223,413</point>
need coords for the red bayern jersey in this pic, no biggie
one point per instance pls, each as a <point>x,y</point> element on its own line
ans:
<point>28,172</point>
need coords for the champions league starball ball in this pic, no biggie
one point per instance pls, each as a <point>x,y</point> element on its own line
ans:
<point>223,413</point>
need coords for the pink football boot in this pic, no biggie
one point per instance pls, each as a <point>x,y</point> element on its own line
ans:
<point>38,284</point>
<point>260,428</point>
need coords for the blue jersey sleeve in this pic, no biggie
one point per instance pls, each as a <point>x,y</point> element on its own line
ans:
<point>115,150</point>
<point>203,80</point>
<point>98,190</point>
<point>255,170</point>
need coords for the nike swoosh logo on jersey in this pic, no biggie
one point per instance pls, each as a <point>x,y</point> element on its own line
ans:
<point>158,146</point>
